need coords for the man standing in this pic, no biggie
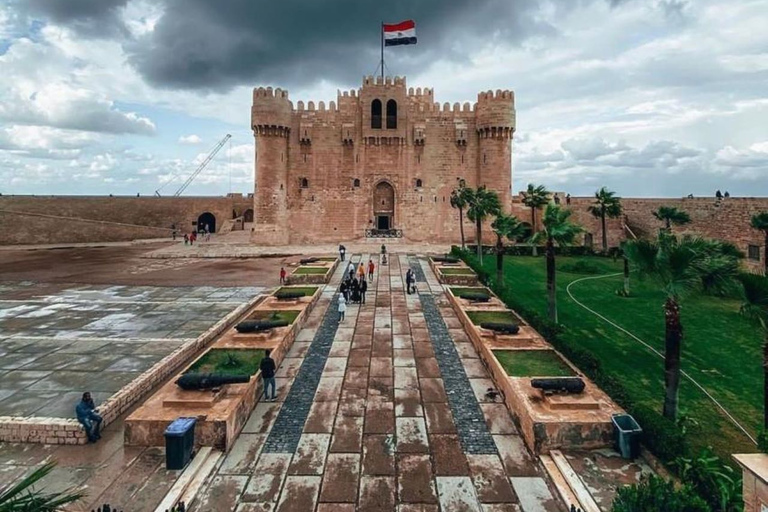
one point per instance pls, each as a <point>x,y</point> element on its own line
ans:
<point>363,289</point>
<point>282,275</point>
<point>267,367</point>
<point>342,307</point>
<point>370,269</point>
<point>88,418</point>
<point>408,280</point>
<point>342,251</point>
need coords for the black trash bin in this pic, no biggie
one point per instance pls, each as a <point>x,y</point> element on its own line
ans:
<point>179,442</point>
<point>627,433</point>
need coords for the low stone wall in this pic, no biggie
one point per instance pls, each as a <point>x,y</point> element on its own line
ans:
<point>69,431</point>
<point>467,279</point>
<point>313,279</point>
<point>565,421</point>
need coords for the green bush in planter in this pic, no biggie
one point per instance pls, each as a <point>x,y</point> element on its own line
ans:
<point>654,494</point>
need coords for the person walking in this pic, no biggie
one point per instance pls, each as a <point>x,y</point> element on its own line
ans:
<point>186,239</point>
<point>267,367</point>
<point>363,289</point>
<point>361,271</point>
<point>342,307</point>
<point>344,289</point>
<point>351,270</point>
<point>342,251</point>
<point>282,275</point>
<point>88,417</point>
<point>408,278</point>
<point>370,270</point>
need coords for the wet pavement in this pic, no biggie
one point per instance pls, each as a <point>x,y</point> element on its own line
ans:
<point>57,341</point>
<point>383,431</point>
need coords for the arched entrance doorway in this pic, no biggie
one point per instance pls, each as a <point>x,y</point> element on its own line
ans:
<point>248,215</point>
<point>384,206</point>
<point>206,219</point>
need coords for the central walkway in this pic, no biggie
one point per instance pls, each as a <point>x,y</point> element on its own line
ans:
<point>384,411</point>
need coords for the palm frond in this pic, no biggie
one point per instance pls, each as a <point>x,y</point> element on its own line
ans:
<point>23,496</point>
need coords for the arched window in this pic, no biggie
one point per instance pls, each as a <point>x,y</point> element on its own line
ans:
<point>356,183</point>
<point>376,114</point>
<point>391,114</point>
<point>304,183</point>
<point>418,183</point>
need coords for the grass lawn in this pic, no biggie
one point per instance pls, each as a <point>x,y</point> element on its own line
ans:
<point>721,349</point>
<point>501,317</point>
<point>459,271</point>
<point>286,315</point>
<point>532,363</point>
<point>461,291</point>
<point>228,361</point>
<point>308,291</point>
<point>310,270</point>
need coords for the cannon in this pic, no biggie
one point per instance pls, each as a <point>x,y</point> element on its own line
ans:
<point>567,385</point>
<point>198,381</point>
<point>501,328</point>
<point>288,295</point>
<point>259,325</point>
<point>476,297</point>
<point>306,261</point>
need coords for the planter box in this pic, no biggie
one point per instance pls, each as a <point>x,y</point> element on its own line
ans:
<point>454,274</point>
<point>298,278</point>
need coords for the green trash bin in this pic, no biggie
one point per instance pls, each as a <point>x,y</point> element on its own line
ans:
<point>627,433</point>
<point>179,442</point>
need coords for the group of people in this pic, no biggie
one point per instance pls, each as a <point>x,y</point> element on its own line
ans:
<point>354,286</point>
<point>191,238</point>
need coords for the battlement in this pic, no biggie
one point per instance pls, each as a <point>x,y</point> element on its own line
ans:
<point>427,92</point>
<point>387,80</point>
<point>495,113</point>
<point>271,109</point>
<point>505,95</point>
<point>267,92</point>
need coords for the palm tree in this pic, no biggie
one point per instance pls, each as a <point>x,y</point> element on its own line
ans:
<point>556,229</point>
<point>482,204</point>
<point>23,497</point>
<point>510,227</point>
<point>760,221</point>
<point>459,199</point>
<point>679,266</point>
<point>534,198</point>
<point>670,215</point>
<point>606,204</point>
<point>755,306</point>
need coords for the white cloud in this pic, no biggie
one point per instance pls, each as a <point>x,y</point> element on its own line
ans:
<point>190,139</point>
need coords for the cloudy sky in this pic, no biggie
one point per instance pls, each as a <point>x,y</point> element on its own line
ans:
<point>647,97</point>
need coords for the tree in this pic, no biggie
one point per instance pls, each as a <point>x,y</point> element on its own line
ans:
<point>760,221</point>
<point>25,497</point>
<point>679,266</point>
<point>556,229</point>
<point>534,198</point>
<point>482,204</point>
<point>670,215</point>
<point>606,204</point>
<point>460,197</point>
<point>755,306</point>
<point>509,227</point>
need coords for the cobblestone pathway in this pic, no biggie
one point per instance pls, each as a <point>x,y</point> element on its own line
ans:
<point>386,428</point>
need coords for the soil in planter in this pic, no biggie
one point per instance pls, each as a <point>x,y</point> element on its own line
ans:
<point>228,361</point>
<point>532,363</point>
<point>310,271</point>
<point>461,271</point>
<point>499,317</point>
<point>461,291</point>
<point>308,291</point>
<point>285,315</point>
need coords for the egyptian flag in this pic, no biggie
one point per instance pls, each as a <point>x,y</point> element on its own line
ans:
<point>400,33</point>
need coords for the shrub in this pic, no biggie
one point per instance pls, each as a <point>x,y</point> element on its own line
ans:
<point>712,479</point>
<point>654,494</point>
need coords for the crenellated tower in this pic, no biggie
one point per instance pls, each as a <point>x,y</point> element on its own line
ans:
<point>271,124</point>
<point>495,123</point>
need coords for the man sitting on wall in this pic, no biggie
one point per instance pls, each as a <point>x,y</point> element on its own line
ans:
<point>87,416</point>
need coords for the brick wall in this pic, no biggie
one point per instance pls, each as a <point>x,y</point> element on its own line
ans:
<point>72,219</point>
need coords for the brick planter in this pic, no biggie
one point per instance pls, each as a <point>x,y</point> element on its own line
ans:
<point>313,279</point>
<point>442,271</point>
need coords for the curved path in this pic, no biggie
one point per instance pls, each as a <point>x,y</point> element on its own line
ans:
<point>653,350</point>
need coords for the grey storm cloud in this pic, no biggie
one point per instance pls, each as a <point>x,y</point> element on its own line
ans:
<point>88,17</point>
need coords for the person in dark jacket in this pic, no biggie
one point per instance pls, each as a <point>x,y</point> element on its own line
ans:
<point>267,367</point>
<point>363,289</point>
<point>408,280</point>
<point>87,416</point>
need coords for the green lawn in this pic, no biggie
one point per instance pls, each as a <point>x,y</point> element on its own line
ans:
<point>310,270</point>
<point>532,363</point>
<point>218,361</point>
<point>458,271</point>
<point>308,291</point>
<point>721,349</point>
<point>500,317</point>
<point>286,315</point>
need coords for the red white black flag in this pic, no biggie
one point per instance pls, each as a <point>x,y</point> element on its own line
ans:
<point>399,33</point>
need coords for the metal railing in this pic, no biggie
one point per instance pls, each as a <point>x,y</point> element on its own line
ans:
<point>384,233</point>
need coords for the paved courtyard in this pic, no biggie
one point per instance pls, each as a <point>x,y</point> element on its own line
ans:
<point>384,411</point>
<point>57,341</point>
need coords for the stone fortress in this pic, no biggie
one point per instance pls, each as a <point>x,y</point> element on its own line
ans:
<point>384,157</point>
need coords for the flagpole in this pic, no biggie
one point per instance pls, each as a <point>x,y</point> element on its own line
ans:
<point>382,50</point>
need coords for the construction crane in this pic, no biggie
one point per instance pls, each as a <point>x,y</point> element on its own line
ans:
<point>199,169</point>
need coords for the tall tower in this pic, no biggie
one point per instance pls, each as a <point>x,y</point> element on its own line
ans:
<point>495,118</point>
<point>271,124</point>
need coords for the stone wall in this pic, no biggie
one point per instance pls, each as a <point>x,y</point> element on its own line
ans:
<point>73,219</point>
